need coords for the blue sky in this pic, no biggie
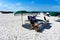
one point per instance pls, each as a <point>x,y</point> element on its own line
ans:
<point>30,5</point>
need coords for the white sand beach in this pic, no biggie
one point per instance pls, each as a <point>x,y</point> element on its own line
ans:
<point>11,29</point>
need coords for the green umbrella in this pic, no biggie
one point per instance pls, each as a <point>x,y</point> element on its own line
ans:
<point>23,12</point>
<point>20,12</point>
<point>35,12</point>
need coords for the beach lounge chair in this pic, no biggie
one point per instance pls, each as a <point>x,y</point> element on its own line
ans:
<point>31,21</point>
<point>34,23</point>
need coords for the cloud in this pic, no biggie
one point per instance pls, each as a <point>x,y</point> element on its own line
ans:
<point>18,4</point>
<point>2,4</point>
<point>11,7</point>
<point>7,6</point>
<point>58,1</point>
<point>56,6</point>
<point>32,2</point>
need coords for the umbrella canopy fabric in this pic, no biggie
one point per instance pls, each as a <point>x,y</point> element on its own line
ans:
<point>35,12</point>
<point>20,12</point>
<point>30,12</point>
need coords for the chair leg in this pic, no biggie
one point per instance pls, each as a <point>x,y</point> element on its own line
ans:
<point>32,26</point>
<point>37,28</point>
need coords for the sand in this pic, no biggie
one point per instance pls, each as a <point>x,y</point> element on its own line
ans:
<point>11,29</point>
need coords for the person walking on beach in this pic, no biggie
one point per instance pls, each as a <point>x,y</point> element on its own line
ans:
<point>44,18</point>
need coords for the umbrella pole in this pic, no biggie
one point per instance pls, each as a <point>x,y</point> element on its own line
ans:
<point>22,19</point>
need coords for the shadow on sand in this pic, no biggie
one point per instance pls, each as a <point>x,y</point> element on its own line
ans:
<point>57,20</point>
<point>27,26</point>
<point>44,26</point>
